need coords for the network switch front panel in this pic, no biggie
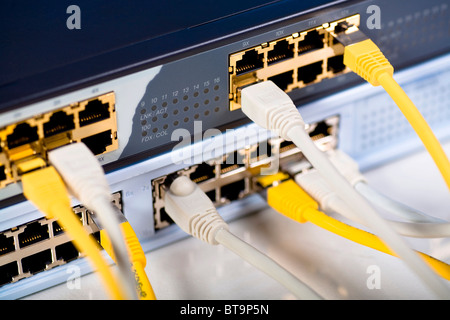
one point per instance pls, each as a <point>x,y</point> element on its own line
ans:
<point>24,144</point>
<point>186,81</point>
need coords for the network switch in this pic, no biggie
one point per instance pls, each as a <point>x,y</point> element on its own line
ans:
<point>134,100</point>
<point>41,245</point>
<point>292,62</point>
<point>234,175</point>
<point>24,144</point>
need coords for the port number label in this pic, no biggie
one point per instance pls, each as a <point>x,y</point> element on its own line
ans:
<point>245,44</point>
<point>312,22</point>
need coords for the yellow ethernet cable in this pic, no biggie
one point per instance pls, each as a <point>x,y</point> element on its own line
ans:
<point>271,108</point>
<point>46,190</point>
<point>289,199</point>
<point>137,257</point>
<point>364,58</point>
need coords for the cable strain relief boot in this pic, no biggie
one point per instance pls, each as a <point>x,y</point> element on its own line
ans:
<point>205,226</point>
<point>347,166</point>
<point>366,59</point>
<point>271,108</point>
<point>192,210</point>
<point>313,183</point>
<point>290,200</point>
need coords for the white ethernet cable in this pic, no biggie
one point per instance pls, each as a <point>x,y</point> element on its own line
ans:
<point>350,170</point>
<point>86,181</point>
<point>313,183</point>
<point>194,213</point>
<point>271,108</point>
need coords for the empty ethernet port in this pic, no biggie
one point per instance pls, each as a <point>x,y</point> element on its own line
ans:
<point>251,60</point>
<point>58,122</point>
<point>233,190</point>
<point>94,111</point>
<point>164,217</point>
<point>336,64</point>
<point>313,41</point>
<point>281,51</point>
<point>309,73</point>
<point>97,143</point>
<point>202,173</point>
<point>211,195</point>
<point>232,161</point>
<point>2,173</point>
<point>286,146</point>
<point>57,229</point>
<point>283,80</point>
<point>66,252</point>
<point>22,134</point>
<point>321,130</point>
<point>7,272</point>
<point>6,244</point>
<point>263,151</point>
<point>33,233</point>
<point>37,262</point>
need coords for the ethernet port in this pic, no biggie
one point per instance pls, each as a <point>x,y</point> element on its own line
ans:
<point>232,162</point>
<point>33,233</point>
<point>281,51</point>
<point>164,216</point>
<point>94,111</point>
<point>2,173</point>
<point>233,190</point>
<point>263,151</point>
<point>283,80</point>
<point>340,27</point>
<point>97,143</point>
<point>57,229</point>
<point>321,130</point>
<point>59,122</point>
<point>336,64</point>
<point>6,244</point>
<point>202,173</point>
<point>287,146</point>
<point>37,262</point>
<point>7,272</point>
<point>309,73</point>
<point>22,134</point>
<point>251,60</point>
<point>66,252</point>
<point>313,41</point>
<point>211,195</point>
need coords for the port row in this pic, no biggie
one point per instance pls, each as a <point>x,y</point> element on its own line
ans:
<point>24,145</point>
<point>292,62</point>
<point>233,176</point>
<point>41,245</point>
